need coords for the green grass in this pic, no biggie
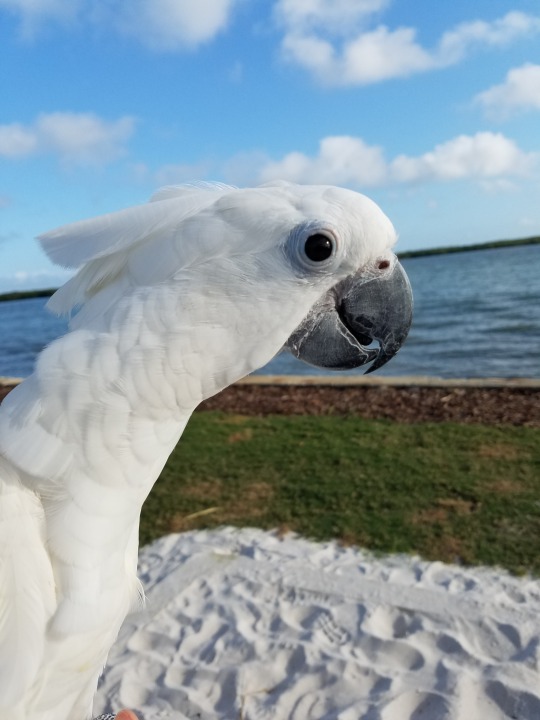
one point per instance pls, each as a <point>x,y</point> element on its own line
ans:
<point>464,493</point>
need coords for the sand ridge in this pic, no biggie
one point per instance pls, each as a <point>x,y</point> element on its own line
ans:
<point>248,625</point>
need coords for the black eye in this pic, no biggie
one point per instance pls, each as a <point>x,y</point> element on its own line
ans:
<point>318,247</point>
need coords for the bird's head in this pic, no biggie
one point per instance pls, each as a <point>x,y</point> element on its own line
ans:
<point>244,273</point>
<point>309,269</point>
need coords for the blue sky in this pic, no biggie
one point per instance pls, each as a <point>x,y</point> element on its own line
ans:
<point>432,109</point>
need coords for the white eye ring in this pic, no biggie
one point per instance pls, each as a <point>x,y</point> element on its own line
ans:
<point>314,246</point>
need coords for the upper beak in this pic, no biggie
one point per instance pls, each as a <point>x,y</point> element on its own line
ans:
<point>341,328</point>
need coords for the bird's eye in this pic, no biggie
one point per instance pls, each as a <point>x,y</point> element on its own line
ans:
<point>318,247</point>
<point>314,247</point>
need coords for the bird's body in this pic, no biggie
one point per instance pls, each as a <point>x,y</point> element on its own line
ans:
<point>180,298</point>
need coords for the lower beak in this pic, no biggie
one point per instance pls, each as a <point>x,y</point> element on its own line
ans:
<point>340,331</point>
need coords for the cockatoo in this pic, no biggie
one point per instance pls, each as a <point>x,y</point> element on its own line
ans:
<point>173,301</point>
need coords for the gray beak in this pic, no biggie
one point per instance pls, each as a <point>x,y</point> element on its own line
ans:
<point>340,329</point>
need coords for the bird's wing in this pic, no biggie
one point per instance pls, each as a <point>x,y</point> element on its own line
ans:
<point>74,245</point>
<point>138,246</point>
<point>27,593</point>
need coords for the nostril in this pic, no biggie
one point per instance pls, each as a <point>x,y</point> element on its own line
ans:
<point>384,264</point>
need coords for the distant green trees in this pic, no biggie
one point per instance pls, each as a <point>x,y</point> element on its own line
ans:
<point>468,248</point>
<point>24,294</point>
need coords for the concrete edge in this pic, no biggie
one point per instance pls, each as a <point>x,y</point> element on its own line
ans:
<point>395,381</point>
<point>372,381</point>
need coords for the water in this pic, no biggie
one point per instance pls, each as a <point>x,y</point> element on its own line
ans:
<point>477,314</point>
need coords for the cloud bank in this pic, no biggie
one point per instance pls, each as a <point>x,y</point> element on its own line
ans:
<point>519,91</point>
<point>334,42</point>
<point>163,25</point>
<point>75,138</point>
<point>34,13</point>
<point>346,160</point>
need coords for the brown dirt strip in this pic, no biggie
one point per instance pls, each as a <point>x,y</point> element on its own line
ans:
<point>489,406</point>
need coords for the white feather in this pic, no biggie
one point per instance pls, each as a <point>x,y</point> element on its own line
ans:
<point>177,299</point>
<point>139,245</point>
<point>27,591</point>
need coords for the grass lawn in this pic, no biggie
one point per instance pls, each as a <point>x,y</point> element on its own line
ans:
<point>458,493</point>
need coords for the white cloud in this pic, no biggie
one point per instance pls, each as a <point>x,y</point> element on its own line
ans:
<point>519,91</point>
<point>76,138</point>
<point>24,275</point>
<point>484,155</point>
<point>344,160</point>
<point>30,279</point>
<point>33,13</point>
<point>455,44</point>
<point>172,24</point>
<point>341,160</point>
<point>242,169</point>
<point>158,24</point>
<point>84,138</point>
<point>383,54</point>
<point>369,58</point>
<point>339,16</point>
<point>170,174</point>
<point>338,52</point>
<point>16,140</point>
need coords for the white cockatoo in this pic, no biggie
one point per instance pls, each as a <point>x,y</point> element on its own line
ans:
<point>174,300</point>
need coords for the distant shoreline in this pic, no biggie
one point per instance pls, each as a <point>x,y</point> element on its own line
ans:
<point>26,294</point>
<point>492,245</point>
<point>495,244</point>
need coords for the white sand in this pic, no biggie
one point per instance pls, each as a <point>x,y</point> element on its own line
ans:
<point>241,625</point>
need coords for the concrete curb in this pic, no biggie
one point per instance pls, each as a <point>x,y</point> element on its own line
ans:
<point>373,381</point>
<point>381,381</point>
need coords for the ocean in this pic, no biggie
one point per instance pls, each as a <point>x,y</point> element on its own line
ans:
<point>477,314</point>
